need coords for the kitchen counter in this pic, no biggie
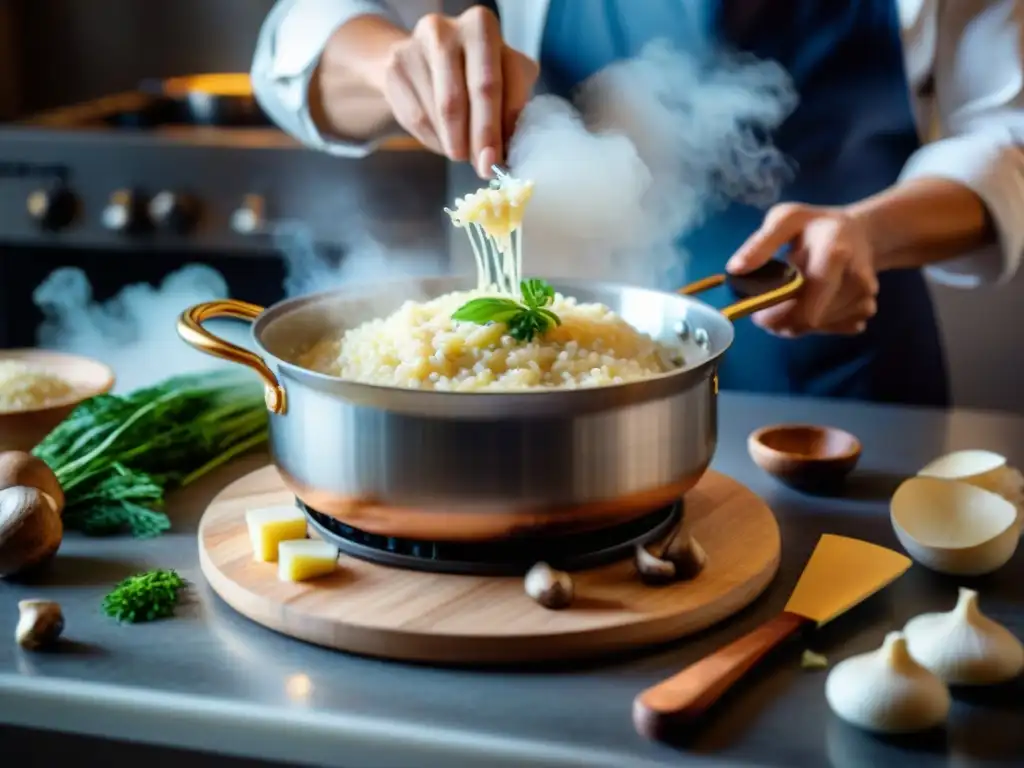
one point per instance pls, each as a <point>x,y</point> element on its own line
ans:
<point>211,681</point>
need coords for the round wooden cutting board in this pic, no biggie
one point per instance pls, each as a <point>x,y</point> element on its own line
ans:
<point>401,614</point>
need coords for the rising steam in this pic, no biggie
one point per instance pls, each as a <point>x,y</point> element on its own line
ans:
<point>649,147</point>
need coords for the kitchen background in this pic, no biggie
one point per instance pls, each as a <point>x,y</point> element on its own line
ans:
<point>234,198</point>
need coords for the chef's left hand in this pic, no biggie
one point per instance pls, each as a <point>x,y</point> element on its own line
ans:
<point>834,252</point>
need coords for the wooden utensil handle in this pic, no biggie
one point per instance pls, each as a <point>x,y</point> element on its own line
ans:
<point>687,695</point>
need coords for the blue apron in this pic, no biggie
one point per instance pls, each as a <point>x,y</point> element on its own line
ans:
<point>850,136</point>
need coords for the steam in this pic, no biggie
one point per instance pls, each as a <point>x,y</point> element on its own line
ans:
<point>647,150</point>
<point>135,331</point>
<point>310,267</point>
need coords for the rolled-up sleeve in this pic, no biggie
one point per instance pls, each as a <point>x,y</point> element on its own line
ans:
<point>288,52</point>
<point>979,94</point>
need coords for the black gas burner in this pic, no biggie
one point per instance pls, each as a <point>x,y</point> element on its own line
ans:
<point>569,552</point>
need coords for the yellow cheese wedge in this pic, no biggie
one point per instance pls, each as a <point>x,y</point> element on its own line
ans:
<point>305,559</point>
<point>269,527</point>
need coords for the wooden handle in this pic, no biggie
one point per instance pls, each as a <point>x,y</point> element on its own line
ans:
<point>689,694</point>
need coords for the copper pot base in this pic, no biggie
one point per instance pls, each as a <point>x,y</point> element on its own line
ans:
<point>485,525</point>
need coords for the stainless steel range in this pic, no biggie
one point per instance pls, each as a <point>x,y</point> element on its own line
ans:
<point>133,186</point>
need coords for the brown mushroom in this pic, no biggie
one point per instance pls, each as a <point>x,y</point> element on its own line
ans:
<point>653,570</point>
<point>683,551</point>
<point>40,623</point>
<point>552,589</point>
<point>20,468</point>
<point>30,529</point>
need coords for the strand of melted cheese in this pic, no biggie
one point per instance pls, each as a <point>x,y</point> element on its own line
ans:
<point>493,218</point>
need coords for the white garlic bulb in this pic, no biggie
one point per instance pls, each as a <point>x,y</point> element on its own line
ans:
<point>964,646</point>
<point>886,691</point>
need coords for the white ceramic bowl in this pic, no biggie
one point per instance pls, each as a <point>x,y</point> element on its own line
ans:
<point>954,527</point>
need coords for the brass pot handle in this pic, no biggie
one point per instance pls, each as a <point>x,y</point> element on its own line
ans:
<point>775,282</point>
<point>190,328</point>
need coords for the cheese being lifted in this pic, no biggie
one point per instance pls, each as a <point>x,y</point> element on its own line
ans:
<point>270,526</point>
<point>305,559</point>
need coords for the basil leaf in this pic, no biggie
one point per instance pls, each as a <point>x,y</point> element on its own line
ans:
<point>536,293</point>
<point>550,316</point>
<point>482,311</point>
<point>523,327</point>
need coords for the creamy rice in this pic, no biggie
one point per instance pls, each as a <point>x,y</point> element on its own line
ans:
<point>421,347</point>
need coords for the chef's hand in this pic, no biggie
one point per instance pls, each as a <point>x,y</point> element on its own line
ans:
<point>834,252</point>
<point>457,88</point>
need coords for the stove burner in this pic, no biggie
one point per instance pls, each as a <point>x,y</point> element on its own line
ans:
<point>568,552</point>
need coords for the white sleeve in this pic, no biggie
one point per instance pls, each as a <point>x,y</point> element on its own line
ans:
<point>288,51</point>
<point>979,93</point>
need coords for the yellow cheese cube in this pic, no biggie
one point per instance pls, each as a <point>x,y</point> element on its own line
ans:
<point>305,559</point>
<point>269,527</point>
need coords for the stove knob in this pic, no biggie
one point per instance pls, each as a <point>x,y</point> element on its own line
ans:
<point>248,218</point>
<point>53,208</point>
<point>125,212</point>
<point>173,212</point>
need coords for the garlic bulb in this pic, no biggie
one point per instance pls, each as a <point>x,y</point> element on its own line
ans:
<point>886,691</point>
<point>964,646</point>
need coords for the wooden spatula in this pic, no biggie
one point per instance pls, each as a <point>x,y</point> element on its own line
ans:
<point>841,573</point>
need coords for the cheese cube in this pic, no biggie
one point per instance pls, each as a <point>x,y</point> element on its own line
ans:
<point>305,559</point>
<point>269,527</point>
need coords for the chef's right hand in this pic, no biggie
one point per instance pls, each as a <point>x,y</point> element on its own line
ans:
<point>457,88</point>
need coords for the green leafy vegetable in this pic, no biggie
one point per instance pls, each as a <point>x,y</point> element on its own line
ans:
<point>525,321</point>
<point>117,455</point>
<point>145,597</point>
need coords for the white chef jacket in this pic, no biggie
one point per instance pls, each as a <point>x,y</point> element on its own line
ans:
<point>965,73</point>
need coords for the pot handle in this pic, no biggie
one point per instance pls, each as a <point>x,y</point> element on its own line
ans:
<point>775,282</point>
<point>190,329</point>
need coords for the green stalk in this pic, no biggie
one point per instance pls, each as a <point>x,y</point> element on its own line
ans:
<point>236,450</point>
<point>84,460</point>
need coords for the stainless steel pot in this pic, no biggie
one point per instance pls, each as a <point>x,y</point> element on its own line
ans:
<point>485,466</point>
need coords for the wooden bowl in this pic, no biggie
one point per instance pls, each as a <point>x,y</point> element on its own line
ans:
<point>805,456</point>
<point>22,430</point>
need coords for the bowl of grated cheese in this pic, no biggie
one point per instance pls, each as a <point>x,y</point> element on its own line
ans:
<point>39,388</point>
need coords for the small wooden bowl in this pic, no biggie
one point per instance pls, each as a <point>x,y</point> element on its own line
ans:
<point>23,430</point>
<point>804,456</point>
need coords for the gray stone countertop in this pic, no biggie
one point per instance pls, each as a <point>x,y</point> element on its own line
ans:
<point>210,680</point>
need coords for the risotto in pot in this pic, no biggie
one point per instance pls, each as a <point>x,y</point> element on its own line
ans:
<point>508,334</point>
<point>420,346</point>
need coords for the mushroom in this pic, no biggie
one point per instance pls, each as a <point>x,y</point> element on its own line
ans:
<point>653,570</point>
<point>40,623</point>
<point>683,551</point>
<point>30,529</point>
<point>20,468</point>
<point>552,589</point>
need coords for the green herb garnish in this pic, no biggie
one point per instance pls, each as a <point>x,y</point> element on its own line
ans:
<point>117,455</point>
<point>145,597</point>
<point>812,660</point>
<point>525,320</point>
